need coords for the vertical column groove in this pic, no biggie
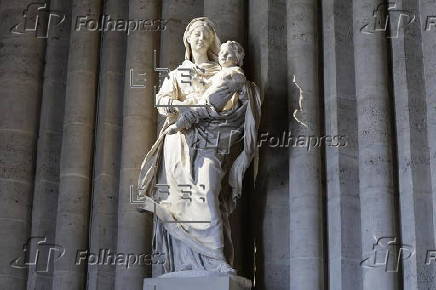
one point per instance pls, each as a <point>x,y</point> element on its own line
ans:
<point>49,145</point>
<point>77,148</point>
<point>139,134</point>
<point>21,71</point>
<point>377,191</point>
<point>305,166</point>
<point>103,220</point>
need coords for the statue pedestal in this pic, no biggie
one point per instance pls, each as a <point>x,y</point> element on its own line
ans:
<point>197,282</point>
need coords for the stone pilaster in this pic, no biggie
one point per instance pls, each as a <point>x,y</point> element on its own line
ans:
<point>103,222</point>
<point>268,203</point>
<point>374,118</point>
<point>21,71</point>
<point>427,12</point>
<point>77,147</point>
<point>305,165</point>
<point>413,87</point>
<point>342,170</point>
<point>139,134</point>
<point>46,190</point>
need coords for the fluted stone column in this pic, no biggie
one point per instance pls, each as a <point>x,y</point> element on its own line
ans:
<point>21,70</point>
<point>103,223</point>
<point>413,70</point>
<point>342,170</point>
<point>414,170</point>
<point>268,203</point>
<point>305,167</point>
<point>377,192</point>
<point>139,134</point>
<point>77,148</point>
<point>229,18</point>
<point>46,190</point>
<point>428,40</point>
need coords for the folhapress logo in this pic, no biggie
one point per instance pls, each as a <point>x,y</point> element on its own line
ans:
<point>387,253</point>
<point>38,19</point>
<point>384,14</point>
<point>43,254</point>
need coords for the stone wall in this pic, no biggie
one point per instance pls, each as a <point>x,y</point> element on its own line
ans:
<point>342,194</point>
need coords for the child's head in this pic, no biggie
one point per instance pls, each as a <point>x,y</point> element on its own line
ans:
<point>231,54</point>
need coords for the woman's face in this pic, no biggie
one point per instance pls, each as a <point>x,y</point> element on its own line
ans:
<point>200,39</point>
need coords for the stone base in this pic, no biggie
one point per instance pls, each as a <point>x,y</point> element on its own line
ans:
<point>190,280</point>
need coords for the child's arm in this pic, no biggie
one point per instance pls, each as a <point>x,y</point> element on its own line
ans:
<point>187,118</point>
<point>223,95</point>
<point>191,116</point>
<point>220,95</point>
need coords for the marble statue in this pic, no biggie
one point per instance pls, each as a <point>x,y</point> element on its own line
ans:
<point>192,175</point>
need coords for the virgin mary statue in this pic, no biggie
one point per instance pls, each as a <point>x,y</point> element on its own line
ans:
<point>192,179</point>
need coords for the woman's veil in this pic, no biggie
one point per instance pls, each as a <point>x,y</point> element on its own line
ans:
<point>215,45</point>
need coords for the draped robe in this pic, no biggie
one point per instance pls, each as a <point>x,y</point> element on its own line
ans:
<point>183,173</point>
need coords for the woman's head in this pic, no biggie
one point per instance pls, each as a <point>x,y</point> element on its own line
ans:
<point>200,36</point>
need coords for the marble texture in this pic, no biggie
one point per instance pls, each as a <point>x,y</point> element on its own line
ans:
<point>191,225</point>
